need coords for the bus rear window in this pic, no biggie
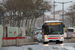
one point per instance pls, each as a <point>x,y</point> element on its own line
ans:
<point>70,30</point>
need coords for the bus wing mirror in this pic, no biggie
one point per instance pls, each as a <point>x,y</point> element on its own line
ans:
<point>63,25</point>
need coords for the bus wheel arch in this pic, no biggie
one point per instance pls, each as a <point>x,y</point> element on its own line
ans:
<point>59,42</point>
<point>45,42</point>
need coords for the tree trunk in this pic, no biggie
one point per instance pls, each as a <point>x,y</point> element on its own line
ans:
<point>31,25</point>
<point>10,18</point>
<point>72,22</point>
<point>14,17</point>
<point>26,22</point>
<point>18,23</point>
<point>22,23</point>
<point>34,22</point>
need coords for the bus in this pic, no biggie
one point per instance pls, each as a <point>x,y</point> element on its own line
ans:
<point>53,31</point>
<point>70,32</point>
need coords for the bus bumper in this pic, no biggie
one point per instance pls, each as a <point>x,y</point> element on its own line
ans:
<point>47,40</point>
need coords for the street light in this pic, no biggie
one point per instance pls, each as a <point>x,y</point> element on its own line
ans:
<point>54,10</point>
<point>43,11</point>
<point>63,8</point>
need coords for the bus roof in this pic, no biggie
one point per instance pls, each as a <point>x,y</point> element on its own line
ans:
<point>70,28</point>
<point>52,21</point>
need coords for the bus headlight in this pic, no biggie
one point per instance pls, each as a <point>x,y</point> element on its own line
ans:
<point>61,36</point>
<point>45,37</point>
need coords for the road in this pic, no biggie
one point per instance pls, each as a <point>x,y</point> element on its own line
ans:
<point>40,46</point>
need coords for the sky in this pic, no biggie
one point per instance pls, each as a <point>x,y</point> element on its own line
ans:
<point>66,6</point>
<point>59,6</point>
<point>1,1</point>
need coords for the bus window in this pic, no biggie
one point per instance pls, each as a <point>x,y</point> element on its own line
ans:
<point>70,30</point>
<point>53,29</point>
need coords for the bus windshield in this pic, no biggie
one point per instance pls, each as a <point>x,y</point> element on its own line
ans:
<point>70,30</point>
<point>53,29</point>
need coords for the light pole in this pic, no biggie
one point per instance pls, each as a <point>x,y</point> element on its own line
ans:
<point>43,11</point>
<point>63,8</point>
<point>54,10</point>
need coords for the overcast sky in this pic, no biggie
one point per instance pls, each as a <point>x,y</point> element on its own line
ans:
<point>1,0</point>
<point>59,6</point>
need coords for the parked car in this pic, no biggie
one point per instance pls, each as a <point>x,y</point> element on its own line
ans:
<point>38,37</point>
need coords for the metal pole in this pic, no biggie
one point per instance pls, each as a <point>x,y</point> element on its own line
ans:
<point>54,10</point>
<point>43,16</point>
<point>63,12</point>
<point>63,9</point>
<point>43,12</point>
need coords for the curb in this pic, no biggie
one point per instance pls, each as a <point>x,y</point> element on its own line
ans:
<point>32,43</point>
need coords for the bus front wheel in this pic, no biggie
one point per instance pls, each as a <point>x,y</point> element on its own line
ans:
<point>59,42</point>
<point>45,42</point>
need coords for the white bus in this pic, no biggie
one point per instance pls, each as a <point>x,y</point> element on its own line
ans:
<point>70,32</point>
<point>53,31</point>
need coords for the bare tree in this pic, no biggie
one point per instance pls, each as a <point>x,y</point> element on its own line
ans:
<point>71,14</point>
<point>28,10</point>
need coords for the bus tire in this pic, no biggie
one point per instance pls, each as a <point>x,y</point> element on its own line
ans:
<point>61,42</point>
<point>45,42</point>
<point>57,42</point>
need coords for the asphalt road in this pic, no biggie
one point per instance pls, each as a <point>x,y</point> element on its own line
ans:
<point>41,46</point>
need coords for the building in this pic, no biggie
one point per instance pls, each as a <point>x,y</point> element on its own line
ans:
<point>58,15</point>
